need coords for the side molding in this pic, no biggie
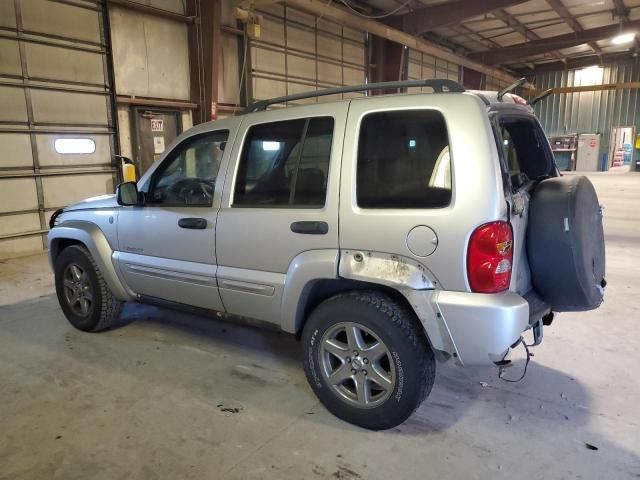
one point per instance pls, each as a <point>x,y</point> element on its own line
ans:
<point>92,237</point>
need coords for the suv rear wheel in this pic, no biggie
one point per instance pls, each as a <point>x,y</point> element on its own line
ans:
<point>83,294</point>
<point>367,359</point>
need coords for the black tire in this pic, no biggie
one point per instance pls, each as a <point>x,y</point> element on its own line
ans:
<point>565,244</point>
<point>397,327</point>
<point>104,307</point>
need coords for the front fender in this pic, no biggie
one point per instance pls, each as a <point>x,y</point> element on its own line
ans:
<point>95,241</point>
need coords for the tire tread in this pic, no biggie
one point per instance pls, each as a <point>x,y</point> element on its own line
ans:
<point>110,305</point>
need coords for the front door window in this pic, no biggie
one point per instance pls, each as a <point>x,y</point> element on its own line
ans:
<point>188,176</point>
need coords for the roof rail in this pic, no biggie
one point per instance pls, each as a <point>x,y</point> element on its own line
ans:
<point>439,86</point>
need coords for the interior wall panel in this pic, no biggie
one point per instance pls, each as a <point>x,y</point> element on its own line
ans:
<point>54,53</point>
<point>57,18</point>
<point>175,6</point>
<point>18,194</point>
<point>14,107</point>
<point>56,63</point>
<point>9,57</point>
<point>16,151</point>
<point>298,52</point>
<point>151,55</point>
<point>7,14</point>
<point>11,224</point>
<point>69,108</point>
<point>228,82</point>
<point>422,66</point>
<point>64,190</point>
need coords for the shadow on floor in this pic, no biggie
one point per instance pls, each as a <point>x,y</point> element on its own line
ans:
<point>157,345</point>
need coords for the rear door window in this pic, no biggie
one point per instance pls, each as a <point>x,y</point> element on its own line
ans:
<point>403,160</point>
<point>285,164</point>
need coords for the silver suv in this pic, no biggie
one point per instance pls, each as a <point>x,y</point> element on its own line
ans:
<point>387,232</point>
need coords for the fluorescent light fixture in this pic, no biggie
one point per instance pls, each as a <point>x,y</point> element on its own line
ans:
<point>270,146</point>
<point>624,38</point>
<point>74,145</point>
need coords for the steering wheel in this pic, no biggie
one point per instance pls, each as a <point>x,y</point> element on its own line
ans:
<point>192,191</point>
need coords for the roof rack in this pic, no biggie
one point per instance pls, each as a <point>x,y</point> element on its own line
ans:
<point>438,85</point>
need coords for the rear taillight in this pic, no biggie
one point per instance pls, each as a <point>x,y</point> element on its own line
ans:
<point>489,257</point>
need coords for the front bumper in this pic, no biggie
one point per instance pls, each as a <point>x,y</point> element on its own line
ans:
<point>481,326</point>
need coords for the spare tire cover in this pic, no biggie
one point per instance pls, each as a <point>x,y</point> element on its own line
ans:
<point>565,244</point>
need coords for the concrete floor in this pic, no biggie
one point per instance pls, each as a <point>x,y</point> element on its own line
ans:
<point>174,395</point>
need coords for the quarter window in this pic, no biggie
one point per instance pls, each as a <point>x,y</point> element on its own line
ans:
<point>403,160</point>
<point>285,164</point>
<point>188,176</point>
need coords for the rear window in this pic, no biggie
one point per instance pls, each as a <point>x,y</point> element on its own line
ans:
<point>525,151</point>
<point>403,160</point>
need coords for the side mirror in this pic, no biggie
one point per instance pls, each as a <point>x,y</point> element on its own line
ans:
<point>127,194</point>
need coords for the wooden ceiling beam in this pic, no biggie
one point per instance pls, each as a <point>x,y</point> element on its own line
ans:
<point>544,45</point>
<point>520,28</point>
<point>570,20</point>
<point>425,19</point>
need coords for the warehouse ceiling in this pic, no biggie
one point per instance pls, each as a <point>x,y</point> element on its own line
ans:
<point>515,34</point>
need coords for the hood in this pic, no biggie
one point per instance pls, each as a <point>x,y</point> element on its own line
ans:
<point>103,201</point>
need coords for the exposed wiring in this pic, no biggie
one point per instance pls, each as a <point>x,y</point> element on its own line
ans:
<point>526,363</point>
<point>382,15</point>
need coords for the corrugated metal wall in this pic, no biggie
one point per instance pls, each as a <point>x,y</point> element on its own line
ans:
<point>589,112</point>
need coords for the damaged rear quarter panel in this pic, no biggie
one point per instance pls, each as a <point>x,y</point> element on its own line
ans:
<point>409,277</point>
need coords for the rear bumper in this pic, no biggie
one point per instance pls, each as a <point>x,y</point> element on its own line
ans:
<point>482,327</point>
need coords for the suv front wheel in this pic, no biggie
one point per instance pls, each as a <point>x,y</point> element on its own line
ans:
<point>83,294</point>
<point>367,359</point>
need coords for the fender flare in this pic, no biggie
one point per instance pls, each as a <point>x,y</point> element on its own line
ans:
<point>306,268</point>
<point>95,241</point>
<point>409,278</point>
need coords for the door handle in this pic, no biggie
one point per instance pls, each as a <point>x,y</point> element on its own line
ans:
<point>310,228</point>
<point>193,223</point>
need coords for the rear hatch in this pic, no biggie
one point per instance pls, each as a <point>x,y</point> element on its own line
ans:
<point>525,158</point>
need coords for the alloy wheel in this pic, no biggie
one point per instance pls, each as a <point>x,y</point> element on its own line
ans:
<point>357,365</point>
<point>77,290</point>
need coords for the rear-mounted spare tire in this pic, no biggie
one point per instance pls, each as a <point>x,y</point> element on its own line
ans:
<point>565,244</point>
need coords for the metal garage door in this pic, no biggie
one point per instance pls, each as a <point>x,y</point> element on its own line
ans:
<point>299,52</point>
<point>56,125</point>
<point>423,66</point>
